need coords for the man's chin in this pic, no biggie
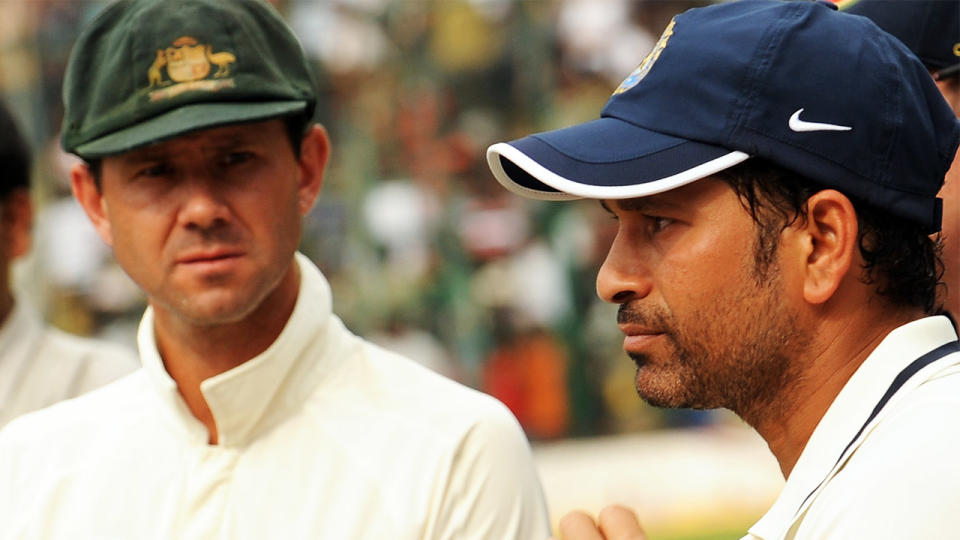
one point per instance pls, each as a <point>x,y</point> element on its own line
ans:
<point>207,310</point>
<point>660,391</point>
<point>671,401</point>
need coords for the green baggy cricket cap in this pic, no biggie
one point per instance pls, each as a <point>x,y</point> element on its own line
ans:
<point>148,70</point>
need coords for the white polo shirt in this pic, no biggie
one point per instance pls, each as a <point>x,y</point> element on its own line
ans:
<point>900,478</point>
<point>323,435</point>
<point>40,365</point>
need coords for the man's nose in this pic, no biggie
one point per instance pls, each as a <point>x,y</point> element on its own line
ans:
<point>623,276</point>
<point>204,204</point>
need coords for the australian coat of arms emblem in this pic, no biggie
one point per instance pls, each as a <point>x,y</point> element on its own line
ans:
<point>188,66</point>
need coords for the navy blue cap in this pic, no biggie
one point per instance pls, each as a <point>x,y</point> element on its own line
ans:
<point>756,78</point>
<point>930,28</point>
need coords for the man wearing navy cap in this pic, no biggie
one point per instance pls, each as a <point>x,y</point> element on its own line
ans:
<point>257,413</point>
<point>931,29</point>
<point>775,184</point>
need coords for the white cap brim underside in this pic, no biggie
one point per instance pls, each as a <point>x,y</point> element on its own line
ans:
<point>569,189</point>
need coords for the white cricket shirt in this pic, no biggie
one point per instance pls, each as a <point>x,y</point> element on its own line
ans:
<point>323,435</point>
<point>899,478</point>
<point>40,365</point>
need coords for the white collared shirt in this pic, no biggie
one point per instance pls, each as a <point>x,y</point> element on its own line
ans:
<point>40,365</point>
<point>899,479</point>
<point>323,435</point>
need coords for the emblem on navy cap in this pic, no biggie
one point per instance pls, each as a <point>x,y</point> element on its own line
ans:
<point>647,63</point>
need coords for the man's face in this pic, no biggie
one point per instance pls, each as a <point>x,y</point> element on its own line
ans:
<point>207,223</point>
<point>706,323</point>
<point>15,220</point>
<point>6,258</point>
<point>950,193</point>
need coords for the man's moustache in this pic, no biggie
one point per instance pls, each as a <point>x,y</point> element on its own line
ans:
<point>653,319</point>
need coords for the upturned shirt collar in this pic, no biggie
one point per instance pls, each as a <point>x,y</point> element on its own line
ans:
<point>266,389</point>
<point>845,416</point>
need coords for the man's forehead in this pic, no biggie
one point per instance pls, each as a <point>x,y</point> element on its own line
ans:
<point>212,138</point>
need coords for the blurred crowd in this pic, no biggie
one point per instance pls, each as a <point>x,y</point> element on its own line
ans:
<point>426,254</point>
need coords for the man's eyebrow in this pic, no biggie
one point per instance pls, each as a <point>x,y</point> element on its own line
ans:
<point>235,139</point>
<point>141,155</point>
<point>228,141</point>
<point>642,204</point>
<point>232,139</point>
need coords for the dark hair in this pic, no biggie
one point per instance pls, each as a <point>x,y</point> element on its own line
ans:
<point>295,127</point>
<point>14,155</point>
<point>899,257</point>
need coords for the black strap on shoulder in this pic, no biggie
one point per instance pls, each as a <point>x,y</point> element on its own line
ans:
<point>898,381</point>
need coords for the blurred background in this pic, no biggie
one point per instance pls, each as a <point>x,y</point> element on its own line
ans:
<point>426,254</point>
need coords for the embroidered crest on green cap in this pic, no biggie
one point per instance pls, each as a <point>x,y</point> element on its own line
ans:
<point>188,64</point>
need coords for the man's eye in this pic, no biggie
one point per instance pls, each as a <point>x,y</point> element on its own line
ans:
<point>160,169</point>
<point>658,224</point>
<point>236,158</point>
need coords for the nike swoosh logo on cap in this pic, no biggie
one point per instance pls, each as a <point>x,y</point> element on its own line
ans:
<point>798,125</point>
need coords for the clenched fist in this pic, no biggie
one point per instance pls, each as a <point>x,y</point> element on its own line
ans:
<point>615,523</point>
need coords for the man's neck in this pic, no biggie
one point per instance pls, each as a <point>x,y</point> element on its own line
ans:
<point>840,349</point>
<point>193,353</point>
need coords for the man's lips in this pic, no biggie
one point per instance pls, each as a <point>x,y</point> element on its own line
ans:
<point>638,337</point>
<point>208,256</point>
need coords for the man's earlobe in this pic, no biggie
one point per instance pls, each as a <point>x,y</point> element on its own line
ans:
<point>88,194</point>
<point>831,227</point>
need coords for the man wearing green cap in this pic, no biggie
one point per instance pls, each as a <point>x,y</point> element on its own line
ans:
<point>257,414</point>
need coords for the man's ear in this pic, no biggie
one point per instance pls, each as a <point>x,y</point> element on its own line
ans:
<point>314,154</point>
<point>87,193</point>
<point>950,88</point>
<point>830,240</point>
<point>17,216</point>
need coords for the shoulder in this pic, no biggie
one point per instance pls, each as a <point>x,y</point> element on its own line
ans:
<point>479,457</point>
<point>76,433</point>
<point>68,424</point>
<point>84,436</point>
<point>405,381</point>
<point>923,419</point>
<point>86,348</point>
<point>101,361</point>
<point>54,366</point>
<point>901,482</point>
<point>918,435</point>
<point>398,400</point>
